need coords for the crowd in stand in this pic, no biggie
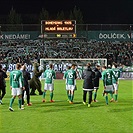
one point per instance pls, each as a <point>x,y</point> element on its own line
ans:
<point>27,51</point>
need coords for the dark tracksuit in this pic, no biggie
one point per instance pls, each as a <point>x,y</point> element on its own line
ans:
<point>97,77</point>
<point>88,76</point>
<point>3,75</point>
<point>26,77</point>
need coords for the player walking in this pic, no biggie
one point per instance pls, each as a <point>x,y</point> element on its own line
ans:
<point>70,77</point>
<point>49,75</point>
<point>68,68</point>
<point>116,72</point>
<point>107,75</point>
<point>16,85</point>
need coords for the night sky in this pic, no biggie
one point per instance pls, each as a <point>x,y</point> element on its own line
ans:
<point>94,11</point>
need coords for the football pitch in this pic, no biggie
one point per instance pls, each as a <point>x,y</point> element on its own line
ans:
<point>62,117</point>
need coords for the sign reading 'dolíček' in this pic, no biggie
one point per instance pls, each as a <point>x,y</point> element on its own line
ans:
<point>110,35</point>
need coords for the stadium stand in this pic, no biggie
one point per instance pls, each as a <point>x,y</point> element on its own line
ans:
<point>27,51</point>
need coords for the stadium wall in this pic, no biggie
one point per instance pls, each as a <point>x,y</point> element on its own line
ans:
<point>90,35</point>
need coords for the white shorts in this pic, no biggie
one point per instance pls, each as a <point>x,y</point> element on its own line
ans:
<point>115,87</point>
<point>68,88</point>
<point>109,88</point>
<point>49,87</point>
<point>71,87</point>
<point>16,91</point>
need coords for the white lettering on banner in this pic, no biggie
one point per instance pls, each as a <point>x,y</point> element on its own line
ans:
<point>1,37</point>
<point>111,36</point>
<point>12,67</point>
<point>60,67</point>
<point>130,36</point>
<point>15,36</point>
<point>56,67</point>
<point>128,75</point>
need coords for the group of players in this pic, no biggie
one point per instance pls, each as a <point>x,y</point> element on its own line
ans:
<point>91,79</point>
<point>19,83</point>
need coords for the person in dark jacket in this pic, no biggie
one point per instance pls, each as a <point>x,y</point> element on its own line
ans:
<point>3,75</point>
<point>26,78</point>
<point>96,81</point>
<point>88,76</point>
<point>35,82</point>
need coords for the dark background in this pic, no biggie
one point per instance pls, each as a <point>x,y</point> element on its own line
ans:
<point>94,11</point>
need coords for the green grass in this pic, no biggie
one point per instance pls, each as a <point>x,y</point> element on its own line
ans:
<point>62,117</point>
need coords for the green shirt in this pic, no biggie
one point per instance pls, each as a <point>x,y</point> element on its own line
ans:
<point>49,75</point>
<point>116,72</point>
<point>107,77</point>
<point>70,76</point>
<point>16,79</point>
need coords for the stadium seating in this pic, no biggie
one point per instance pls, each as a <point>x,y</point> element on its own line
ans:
<point>27,51</point>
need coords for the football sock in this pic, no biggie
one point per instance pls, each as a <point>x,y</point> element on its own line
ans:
<point>51,95</point>
<point>95,95</point>
<point>43,95</point>
<point>116,96</point>
<point>111,94</point>
<point>11,102</point>
<point>106,99</point>
<point>69,97</point>
<point>19,102</point>
<point>72,96</point>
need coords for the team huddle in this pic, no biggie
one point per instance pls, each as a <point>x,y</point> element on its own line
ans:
<point>19,83</point>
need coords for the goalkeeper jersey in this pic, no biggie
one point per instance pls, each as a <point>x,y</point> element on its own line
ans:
<point>49,75</point>
<point>116,72</point>
<point>16,79</point>
<point>107,77</point>
<point>70,76</point>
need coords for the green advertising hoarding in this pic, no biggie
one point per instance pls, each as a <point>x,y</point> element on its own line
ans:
<point>90,35</point>
<point>26,35</point>
<point>107,35</point>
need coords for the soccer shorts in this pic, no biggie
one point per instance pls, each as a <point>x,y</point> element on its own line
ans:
<point>115,87</point>
<point>71,87</point>
<point>16,91</point>
<point>49,87</point>
<point>109,88</point>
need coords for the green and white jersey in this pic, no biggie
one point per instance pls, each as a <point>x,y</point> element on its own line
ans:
<point>70,76</point>
<point>16,79</point>
<point>107,77</point>
<point>116,72</point>
<point>49,75</point>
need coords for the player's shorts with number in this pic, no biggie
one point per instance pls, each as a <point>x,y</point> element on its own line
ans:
<point>71,87</point>
<point>115,87</point>
<point>16,91</point>
<point>109,88</point>
<point>49,87</point>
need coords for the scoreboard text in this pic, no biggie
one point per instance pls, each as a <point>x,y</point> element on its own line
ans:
<point>61,26</point>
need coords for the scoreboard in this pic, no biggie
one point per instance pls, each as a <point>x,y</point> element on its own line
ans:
<point>58,28</point>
